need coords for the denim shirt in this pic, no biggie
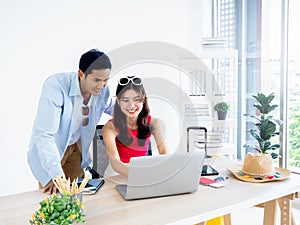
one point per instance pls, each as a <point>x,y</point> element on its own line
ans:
<point>53,125</point>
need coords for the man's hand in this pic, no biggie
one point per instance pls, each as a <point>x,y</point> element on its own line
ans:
<point>50,188</point>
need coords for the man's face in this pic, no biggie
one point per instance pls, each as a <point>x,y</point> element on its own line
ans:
<point>96,81</point>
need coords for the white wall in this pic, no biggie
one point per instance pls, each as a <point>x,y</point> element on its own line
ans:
<point>39,38</point>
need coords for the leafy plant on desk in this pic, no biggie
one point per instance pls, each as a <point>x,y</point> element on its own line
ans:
<point>59,209</point>
<point>265,126</point>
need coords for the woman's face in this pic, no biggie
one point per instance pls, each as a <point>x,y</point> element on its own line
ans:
<point>131,103</point>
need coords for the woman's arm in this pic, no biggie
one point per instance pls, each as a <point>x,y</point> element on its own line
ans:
<point>109,137</point>
<point>157,126</point>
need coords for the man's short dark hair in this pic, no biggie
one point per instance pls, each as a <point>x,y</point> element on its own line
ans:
<point>94,60</point>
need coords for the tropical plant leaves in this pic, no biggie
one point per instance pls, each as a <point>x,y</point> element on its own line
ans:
<point>264,125</point>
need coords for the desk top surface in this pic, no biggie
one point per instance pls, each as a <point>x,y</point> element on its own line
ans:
<point>108,207</point>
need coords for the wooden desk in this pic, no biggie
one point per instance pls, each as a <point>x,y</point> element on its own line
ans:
<point>108,207</point>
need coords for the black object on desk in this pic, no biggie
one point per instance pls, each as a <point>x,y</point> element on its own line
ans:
<point>92,186</point>
<point>207,170</point>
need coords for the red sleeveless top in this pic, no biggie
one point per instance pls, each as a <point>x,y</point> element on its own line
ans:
<point>133,150</point>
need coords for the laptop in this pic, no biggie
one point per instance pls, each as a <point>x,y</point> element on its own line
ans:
<point>162,175</point>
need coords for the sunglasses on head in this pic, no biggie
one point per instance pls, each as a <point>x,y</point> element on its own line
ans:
<point>135,80</point>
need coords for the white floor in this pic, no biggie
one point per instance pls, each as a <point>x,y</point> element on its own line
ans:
<point>254,215</point>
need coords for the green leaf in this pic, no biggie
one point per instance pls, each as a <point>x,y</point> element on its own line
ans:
<point>274,155</point>
<point>256,135</point>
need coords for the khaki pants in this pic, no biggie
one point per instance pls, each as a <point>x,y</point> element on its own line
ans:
<point>71,163</point>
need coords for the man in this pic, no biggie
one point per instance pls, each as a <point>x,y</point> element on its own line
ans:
<point>69,110</point>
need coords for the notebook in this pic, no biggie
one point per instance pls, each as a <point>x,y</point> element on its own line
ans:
<point>92,186</point>
<point>162,175</point>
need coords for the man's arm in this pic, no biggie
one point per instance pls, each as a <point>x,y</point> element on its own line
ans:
<point>109,107</point>
<point>44,147</point>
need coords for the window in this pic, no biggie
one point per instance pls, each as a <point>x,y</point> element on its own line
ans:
<point>266,36</point>
<point>293,83</point>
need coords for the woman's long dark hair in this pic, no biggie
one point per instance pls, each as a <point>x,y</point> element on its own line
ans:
<point>142,121</point>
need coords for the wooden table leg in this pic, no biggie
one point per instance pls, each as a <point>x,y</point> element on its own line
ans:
<point>202,223</point>
<point>227,219</point>
<point>270,212</point>
<point>285,206</point>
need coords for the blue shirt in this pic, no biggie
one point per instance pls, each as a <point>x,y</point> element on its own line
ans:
<point>53,125</point>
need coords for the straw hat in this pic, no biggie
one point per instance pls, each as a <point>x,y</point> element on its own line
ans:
<point>259,168</point>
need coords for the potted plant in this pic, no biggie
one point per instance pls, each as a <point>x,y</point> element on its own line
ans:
<point>221,108</point>
<point>64,208</point>
<point>265,126</point>
<point>258,166</point>
<point>59,209</point>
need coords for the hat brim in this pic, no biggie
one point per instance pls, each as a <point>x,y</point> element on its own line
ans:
<point>236,171</point>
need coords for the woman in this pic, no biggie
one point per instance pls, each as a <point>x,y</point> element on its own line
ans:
<point>128,133</point>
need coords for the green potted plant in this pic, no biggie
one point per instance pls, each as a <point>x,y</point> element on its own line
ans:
<point>59,209</point>
<point>221,108</point>
<point>265,126</point>
<point>258,165</point>
<point>64,208</point>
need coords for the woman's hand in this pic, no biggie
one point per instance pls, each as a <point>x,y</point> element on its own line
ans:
<point>109,137</point>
